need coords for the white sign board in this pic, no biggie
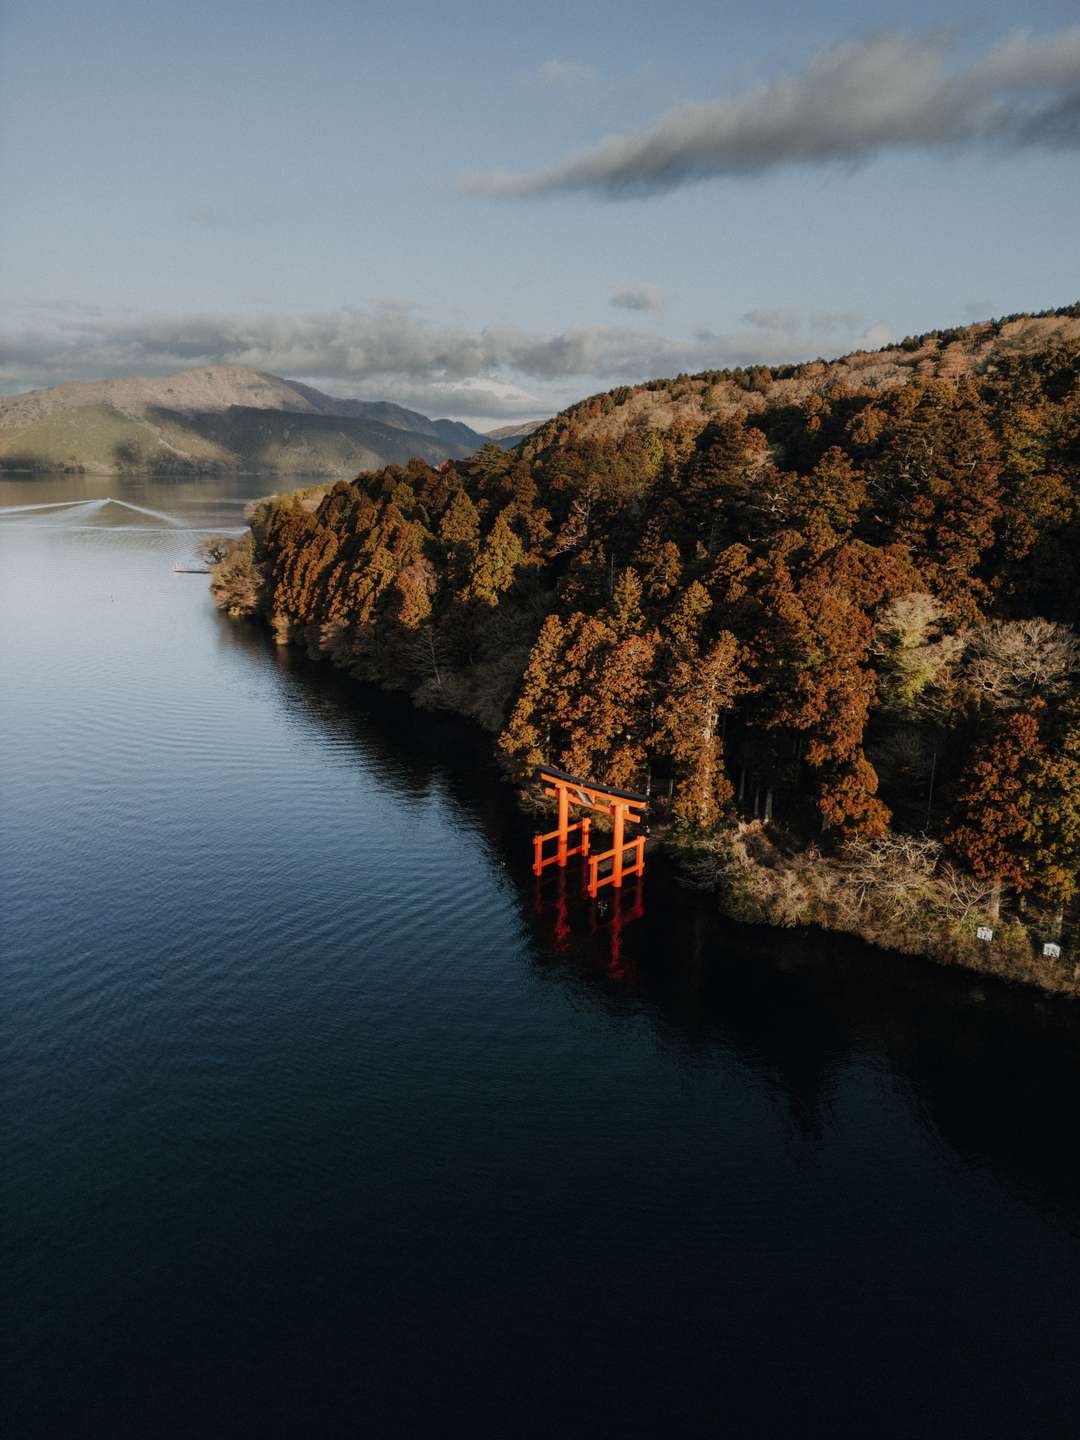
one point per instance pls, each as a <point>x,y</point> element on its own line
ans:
<point>984,932</point>
<point>1052,951</point>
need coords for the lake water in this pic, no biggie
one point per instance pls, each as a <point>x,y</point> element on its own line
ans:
<point>319,1120</point>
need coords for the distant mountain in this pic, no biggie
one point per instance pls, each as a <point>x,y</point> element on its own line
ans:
<point>508,435</point>
<point>218,417</point>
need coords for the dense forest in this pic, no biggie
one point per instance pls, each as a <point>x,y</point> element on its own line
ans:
<point>824,615</point>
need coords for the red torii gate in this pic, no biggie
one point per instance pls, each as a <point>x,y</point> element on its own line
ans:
<point>624,806</point>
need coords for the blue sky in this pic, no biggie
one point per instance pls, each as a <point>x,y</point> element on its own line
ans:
<point>408,200</point>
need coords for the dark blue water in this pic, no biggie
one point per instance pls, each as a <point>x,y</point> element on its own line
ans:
<point>320,1121</point>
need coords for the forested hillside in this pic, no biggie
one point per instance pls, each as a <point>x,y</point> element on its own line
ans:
<point>825,616</point>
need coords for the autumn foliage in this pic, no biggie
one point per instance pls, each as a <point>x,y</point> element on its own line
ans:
<point>800,610</point>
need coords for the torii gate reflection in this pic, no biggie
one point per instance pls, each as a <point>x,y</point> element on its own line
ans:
<point>607,917</point>
<point>624,807</point>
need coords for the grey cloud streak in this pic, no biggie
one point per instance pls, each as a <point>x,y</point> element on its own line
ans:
<point>567,74</point>
<point>393,352</point>
<point>850,103</point>
<point>638,297</point>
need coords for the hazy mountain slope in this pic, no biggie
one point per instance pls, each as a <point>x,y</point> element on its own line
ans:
<point>212,387</point>
<point>316,444</point>
<point>455,433</point>
<point>99,438</point>
<point>508,435</point>
<point>218,416</point>
<point>397,417</point>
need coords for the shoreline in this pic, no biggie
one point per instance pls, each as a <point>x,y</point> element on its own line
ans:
<point>737,891</point>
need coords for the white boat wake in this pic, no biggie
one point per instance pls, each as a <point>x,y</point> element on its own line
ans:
<point>84,507</point>
<point>51,505</point>
<point>143,510</point>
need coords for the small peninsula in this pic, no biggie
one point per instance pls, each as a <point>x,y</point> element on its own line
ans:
<point>824,615</point>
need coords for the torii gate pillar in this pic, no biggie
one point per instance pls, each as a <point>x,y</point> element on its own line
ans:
<point>563,830</point>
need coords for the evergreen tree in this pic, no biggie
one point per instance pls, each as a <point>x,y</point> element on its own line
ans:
<point>993,829</point>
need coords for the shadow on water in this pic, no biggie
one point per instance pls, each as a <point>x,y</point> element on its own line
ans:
<point>993,1069</point>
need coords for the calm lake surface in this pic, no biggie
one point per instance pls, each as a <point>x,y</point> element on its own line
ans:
<point>319,1121</point>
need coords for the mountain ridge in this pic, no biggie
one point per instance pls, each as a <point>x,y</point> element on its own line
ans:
<point>217,417</point>
<point>693,400</point>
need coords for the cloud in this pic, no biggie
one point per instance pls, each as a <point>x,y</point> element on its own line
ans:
<point>395,352</point>
<point>877,337</point>
<point>638,297</point>
<point>567,74</point>
<point>208,215</point>
<point>975,310</point>
<point>849,104</point>
<point>474,399</point>
<point>785,320</point>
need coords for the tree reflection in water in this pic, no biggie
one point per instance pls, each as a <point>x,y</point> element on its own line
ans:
<point>992,1070</point>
